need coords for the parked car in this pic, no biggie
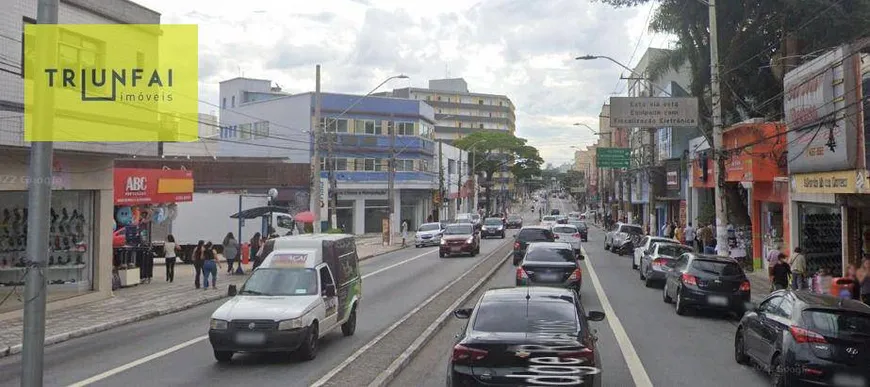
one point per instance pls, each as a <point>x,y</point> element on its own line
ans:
<point>554,212</point>
<point>561,219</point>
<point>706,282</point>
<point>658,259</point>
<point>493,227</point>
<point>510,335</point>
<point>573,215</point>
<point>645,243</point>
<point>528,235</point>
<point>548,221</point>
<point>460,238</point>
<point>569,234</point>
<point>514,221</point>
<point>469,217</point>
<point>550,264</point>
<point>824,339</point>
<point>582,227</point>
<point>619,238</point>
<point>428,234</point>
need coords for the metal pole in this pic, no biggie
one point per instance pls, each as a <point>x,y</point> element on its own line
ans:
<point>441,193</point>
<point>39,205</point>
<point>719,166</point>
<point>653,222</point>
<point>315,157</point>
<point>333,184</point>
<point>391,175</point>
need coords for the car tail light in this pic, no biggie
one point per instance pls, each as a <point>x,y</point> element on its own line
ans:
<point>516,245</point>
<point>576,275</point>
<point>577,235</point>
<point>462,353</point>
<point>521,274</point>
<point>586,355</point>
<point>659,262</point>
<point>555,236</point>
<point>745,286</point>
<point>689,279</point>
<point>802,335</point>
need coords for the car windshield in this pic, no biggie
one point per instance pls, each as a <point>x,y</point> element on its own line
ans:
<point>836,323</point>
<point>673,250</point>
<point>429,227</point>
<point>535,235</point>
<point>549,219</point>
<point>475,217</point>
<point>725,269</point>
<point>281,282</point>
<point>458,229</point>
<point>579,225</point>
<point>532,316</point>
<point>564,230</point>
<point>492,221</point>
<point>514,218</point>
<point>635,230</point>
<point>463,216</point>
<point>548,254</point>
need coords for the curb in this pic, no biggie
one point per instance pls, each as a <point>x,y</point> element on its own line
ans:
<point>86,331</point>
<point>388,375</point>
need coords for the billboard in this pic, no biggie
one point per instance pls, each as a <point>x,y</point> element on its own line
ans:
<point>653,112</point>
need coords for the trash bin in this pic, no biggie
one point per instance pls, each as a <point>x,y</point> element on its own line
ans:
<point>246,253</point>
<point>842,287</point>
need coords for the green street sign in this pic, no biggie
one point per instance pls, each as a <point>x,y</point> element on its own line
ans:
<point>613,157</point>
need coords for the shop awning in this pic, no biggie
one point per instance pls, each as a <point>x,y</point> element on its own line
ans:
<point>257,212</point>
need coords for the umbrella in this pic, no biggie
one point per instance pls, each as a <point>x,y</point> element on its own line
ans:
<point>304,217</point>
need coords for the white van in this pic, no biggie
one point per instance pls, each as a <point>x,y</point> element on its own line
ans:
<point>307,286</point>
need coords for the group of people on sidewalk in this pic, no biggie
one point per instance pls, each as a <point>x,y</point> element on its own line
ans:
<point>784,273</point>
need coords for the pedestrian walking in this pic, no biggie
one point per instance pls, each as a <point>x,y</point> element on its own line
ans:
<point>780,272</point>
<point>197,259</point>
<point>863,275</point>
<point>404,231</point>
<point>254,246</point>
<point>170,254</point>
<point>798,269</point>
<point>678,233</point>
<point>689,235</point>
<point>211,263</point>
<point>772,260</point>
<point>231,251</point>
<point>852,274</point>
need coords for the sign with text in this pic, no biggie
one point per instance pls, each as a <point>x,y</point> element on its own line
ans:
<point>613,157</point>
<point>152,186</point>
<point>825,182</point>
<point>653,112</point>
<point>111,82</point>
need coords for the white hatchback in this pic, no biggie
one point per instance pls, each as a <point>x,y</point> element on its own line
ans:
<point>568,233</point>
<point>548,221</point>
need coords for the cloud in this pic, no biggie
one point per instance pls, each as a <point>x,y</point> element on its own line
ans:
<point>523,49</point>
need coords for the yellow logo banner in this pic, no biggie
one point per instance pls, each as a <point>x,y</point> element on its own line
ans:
<point>111,82</point>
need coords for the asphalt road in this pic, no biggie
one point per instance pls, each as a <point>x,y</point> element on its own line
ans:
<point>173,350</point>
<point>671,350</point>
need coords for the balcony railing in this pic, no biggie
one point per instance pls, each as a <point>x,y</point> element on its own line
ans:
<point>381,143</point>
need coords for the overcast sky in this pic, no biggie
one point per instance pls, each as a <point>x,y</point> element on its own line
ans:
<point>521,48</point>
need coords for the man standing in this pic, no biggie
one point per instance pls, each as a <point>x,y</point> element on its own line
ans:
<point>798,269</point>
<point>706,237</point>
<point>689,234</point>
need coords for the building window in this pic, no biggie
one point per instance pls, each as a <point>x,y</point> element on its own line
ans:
<point>233,102</point>
<point>333,125</point>
<point>261,129</point>
<point>428,97</point>
<point>481,126</point>
<point>405,128</point>
<point>245,131</point>
<point>480,102</point>
<point>459,124</point>
<point>369,127</point>
<point>490,114</point>
<point>224,103</point>
<point>451,167</point>
<point>404,165</point>
<point>499,103</point>
<point>439,97</point>
<point>80,52</point>
<point>372,165</point>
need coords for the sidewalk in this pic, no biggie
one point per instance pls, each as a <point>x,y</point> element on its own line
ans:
<point>141,302</point>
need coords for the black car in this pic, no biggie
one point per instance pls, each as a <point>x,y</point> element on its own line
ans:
<point>493,227</point>
<point>554,212</point>
<point>550,264</point>
<point>807,338</point>
<point>514,221</point>
<point>522,337</point>
<point>582,227</point>
<point>706,282</point>
<point>528,235</point>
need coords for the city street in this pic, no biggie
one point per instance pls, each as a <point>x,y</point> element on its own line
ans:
<point>671,350</point>
<point>173,350</point>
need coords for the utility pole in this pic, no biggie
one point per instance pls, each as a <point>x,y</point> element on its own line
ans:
<point>333,184</point>
<point>459,182</point>
<point>391,175</point>
<point>440,179</point>
<point>719,166</point>
<point>653,222</point>
<point>39,204</point>
<point>315,156</point>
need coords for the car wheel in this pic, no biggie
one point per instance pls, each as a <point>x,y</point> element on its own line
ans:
<point>417,246</point>
<point>223,356</point>
<point>679,307</point>
<point>442,255</point>
<point>502,235</point>
<point>308,351</point>
<point>777,372</point>
<point>648,282</point>
<point>349,326</point>
<point>740,348</point>
<point>665,297</point>
<point>642,276</point>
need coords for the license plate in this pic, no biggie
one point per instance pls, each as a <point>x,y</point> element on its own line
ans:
<point>549,277</point>
<point>717,300</point>
<point>455,249</point>
<point>250,338</point>
<point>847,380</point>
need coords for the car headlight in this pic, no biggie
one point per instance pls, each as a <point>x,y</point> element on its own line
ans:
<point>443,241</point>
<point>294,323</point>
<point>470,240</point>
<point>500,228</point>
<point>219,325</point>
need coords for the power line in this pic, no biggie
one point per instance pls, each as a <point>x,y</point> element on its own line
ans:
<point>637,44</point>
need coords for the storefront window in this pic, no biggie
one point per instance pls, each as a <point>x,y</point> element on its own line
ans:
<point>821,237</point>
<point>70,260</point>
<point>375,212</point>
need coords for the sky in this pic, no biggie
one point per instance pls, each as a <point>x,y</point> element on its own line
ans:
<point>524,49</point>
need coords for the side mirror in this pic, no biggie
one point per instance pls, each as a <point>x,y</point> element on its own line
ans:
<point>595,316</point>
<point>464,313</point>
<point>330,290</point>
<point>232,291</point>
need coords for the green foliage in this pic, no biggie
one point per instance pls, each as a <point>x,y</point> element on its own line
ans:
<point>492,149</point>
<point>334,231</point>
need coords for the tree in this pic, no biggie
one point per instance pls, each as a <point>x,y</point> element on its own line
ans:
<point>492,151</point>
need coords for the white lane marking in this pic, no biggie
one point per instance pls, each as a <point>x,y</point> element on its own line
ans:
<point>329,375</point>
<point>629,354</point>
<point>117,370</point>
<point>383,269</point>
